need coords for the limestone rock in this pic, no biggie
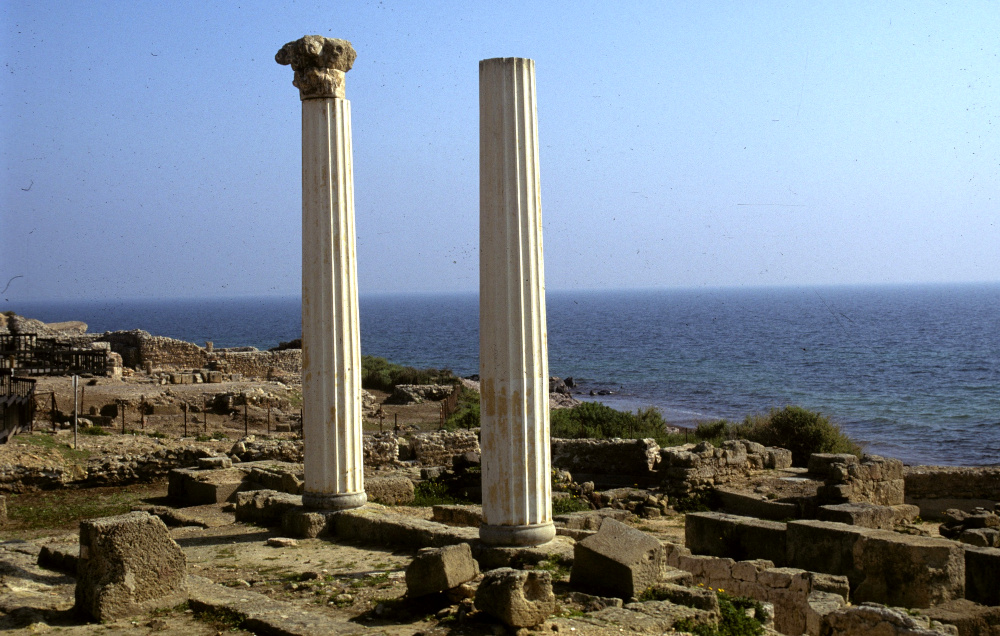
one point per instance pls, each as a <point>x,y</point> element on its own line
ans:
<point>516,597</point>
<point>440,569</point>
<point>128,565</point>
<point>617,561</point>
<point>265,507</point>
<point>391,490</point>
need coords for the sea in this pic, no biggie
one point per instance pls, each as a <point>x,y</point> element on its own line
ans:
<point>911,371</point>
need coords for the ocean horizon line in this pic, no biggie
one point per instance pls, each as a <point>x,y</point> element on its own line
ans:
<point>556,292</point>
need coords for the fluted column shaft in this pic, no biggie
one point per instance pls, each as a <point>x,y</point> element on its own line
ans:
<point>513,349</point>
<point>331,350</point>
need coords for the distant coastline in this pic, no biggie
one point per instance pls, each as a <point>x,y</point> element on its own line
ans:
<point>914,371</point>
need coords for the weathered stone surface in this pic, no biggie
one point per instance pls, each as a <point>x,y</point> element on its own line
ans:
<point>859,514</point>
<point>871,619</point>
<point>824,546</point>
<point>391,490</point>
<point>214,462</point>
<point>265,507</point>
<point>319,64</point>
<point>128,565</point>
<point>440,569</point>
<point>307,524</point>
<point>652,617</point>
<point>909,571</point>
<point>697,597</point>
<point>372,525</point>
<point>516,597</point>
<point>970,618</point>
<point>263,615</point>
<point>606,456</point>
<point>458,515</point>
<point>3,510</point>
<point>591,519</point>
<point>739,538</point>
<point>753,505</point>
<point>617,561</point>
<point>196,487</point>
<point>982,575</point>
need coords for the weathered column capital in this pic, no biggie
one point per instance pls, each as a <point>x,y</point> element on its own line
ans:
<point>319,64</point>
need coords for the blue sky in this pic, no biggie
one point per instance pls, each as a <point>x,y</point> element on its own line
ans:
<point>153,149</point>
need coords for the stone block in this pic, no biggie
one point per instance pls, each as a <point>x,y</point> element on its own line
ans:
<point>905,513</point>
<point>877,620</point>
<point>617,561</point>
<point>458,515</point>
<point>750,505</point>
<point>859,514</point>
<point>299,522</point>
<point>826,464</point>
<point>516,597</point>
<point>194,487</point>
<point>908,571</point>
<point>265,507</point>
<point>389,490</point>
<point>749,570</point>
<point>440,569</point>
<point>370,524</point>
<point>982,575</point>
<point>824,546</point>
<point>818,606</point>
<point>740,538</point>
<point>3,509</point>
<point>128,565</point>
<point>971,619</point>
<point>211,463</point>
<point>696,597</point>
<point>778,458</point>
<point>590,519</point>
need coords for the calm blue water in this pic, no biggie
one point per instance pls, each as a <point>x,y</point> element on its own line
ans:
<point>914,371</point>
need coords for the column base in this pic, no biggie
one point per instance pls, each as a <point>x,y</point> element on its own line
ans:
<point>326,501</point>
<point>529,535</point>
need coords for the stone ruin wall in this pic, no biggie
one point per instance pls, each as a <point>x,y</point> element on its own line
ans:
<point>259,364</point>
<point>952,482</point>
<point>873,479</point>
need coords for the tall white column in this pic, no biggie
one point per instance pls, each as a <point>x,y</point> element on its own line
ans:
<point>331,350</point>
<point>513,350</point>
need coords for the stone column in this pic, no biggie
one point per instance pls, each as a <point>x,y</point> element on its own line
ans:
<point>331,350</point>
<point>513,350</point>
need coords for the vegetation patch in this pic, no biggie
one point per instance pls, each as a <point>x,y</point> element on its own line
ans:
<point>566,505</point>
<point>222,619</point>
<point>466,414</point>
<point>434,493</point>
<point>740,617</point>
<point>63,509</point>
<point>48,441</point>
<point>800,430</point>
<point>381,375</point>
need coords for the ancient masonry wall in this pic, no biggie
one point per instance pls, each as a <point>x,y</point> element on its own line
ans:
<point>952,482</point>
<point>800,598</point>
<point>878,480</point>
<point>259,364</point>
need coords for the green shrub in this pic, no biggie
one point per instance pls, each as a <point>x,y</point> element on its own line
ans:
<point>597,421</point>
<point>734,620</point>
<point>381,375</point>
<point>466,415</point>
<point>799,430</point>
<point>93,430</point>
<point>434,493</point>
<point>566,505</point>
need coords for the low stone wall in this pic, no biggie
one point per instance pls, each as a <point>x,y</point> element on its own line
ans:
<point>438,447</point>
<point>606,456</point>
<point>882,566</point>
<point>259,364</point>
<point>138,347</point>
<point>873,479</point>
<point>695,467</point>
<point>936,488</point>
<point>800,598</point>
